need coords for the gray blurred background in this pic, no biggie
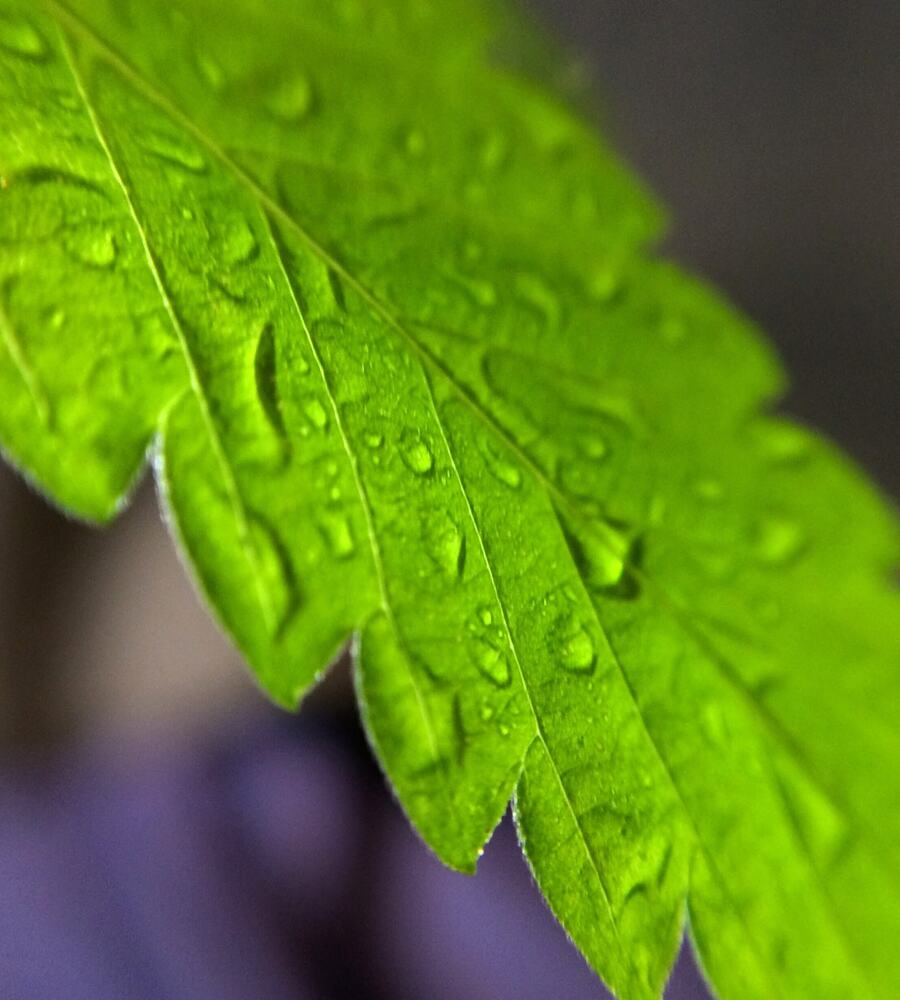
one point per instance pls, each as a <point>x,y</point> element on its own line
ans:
<point>772,132</point>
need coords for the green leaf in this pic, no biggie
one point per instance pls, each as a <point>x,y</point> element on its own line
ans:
<point>377,304</point>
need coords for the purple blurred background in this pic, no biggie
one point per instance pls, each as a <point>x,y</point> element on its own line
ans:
<point>166,834</point>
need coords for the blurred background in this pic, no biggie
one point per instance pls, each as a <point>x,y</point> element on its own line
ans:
<point>165,833</point>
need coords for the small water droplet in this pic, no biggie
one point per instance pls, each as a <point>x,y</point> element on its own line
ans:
<point>501,469</point>
<point>593,447</point>
<point>239,244</point>
<point>487,712</point>
<point>672,329</point>
<point>486,615</point>
<point>445,545</point>
<point>187,215</point>
<point>777,540</point>
<point>315,412</point>
<point>20,37</point>
<point>491,661</point>
<point>709,490</point>
<point>374,441</point>
<point>503,729</point>
<point>576,649</point>
<point>210,69</point>
<point>415,453</point>
<point>605,285</point>
<point>712,722</point>
<point>414,142</point>
<point>783,443</point>
<point>493,151</point>
<point>94,247</point>
<point>293,99</point>
<point>338,534</point>
<point>177,151</point>
<point>57,319</point>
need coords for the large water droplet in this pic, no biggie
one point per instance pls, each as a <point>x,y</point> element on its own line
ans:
<point>502,470</point>
<point>491,660</point>
<point>602,551</point>
<point>293,99</point>
<point>274,578</point>
<point>777,540</point>
<point>177,151</point>
<point>20,37</point>
<point>94,247</point>
<point>337,532</point>
<point>445,544</point>
<point>415,453</point>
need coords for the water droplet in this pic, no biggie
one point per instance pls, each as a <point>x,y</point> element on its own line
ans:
<point>293,99</point>
<point>57,319</point>
<point>503,729</point>
<point>576,649</point>
<point>486,615</point>
<point>602,551</point>
<point>493,151</point>
<point>491,661</point>
<point>175,150</point>
<point>712,722</point>
<point>414,142</point>
<point>94,247</point>
<point>502,470</point>
<point>374,441</point>
<point>672,329</point>
<point>487,712</point>
<point>210,70</point>
<point>593,447</point>
<point>415,453</point>
<point>338,534</point>
<point>274,578</point>
<point>20,37</point>
<point>777,540</point>
<point>605,285</point>
<point>709,490</point>
<point>239,243</point>
<point>445,545</point>
<point>783,443</point>
<point>315,412</point>
<point>187,215</point>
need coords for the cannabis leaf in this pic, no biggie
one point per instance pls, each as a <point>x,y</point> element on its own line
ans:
<point>376,302</point>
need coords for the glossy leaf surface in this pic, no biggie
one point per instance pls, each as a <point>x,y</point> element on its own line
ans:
<point>378,305</point>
